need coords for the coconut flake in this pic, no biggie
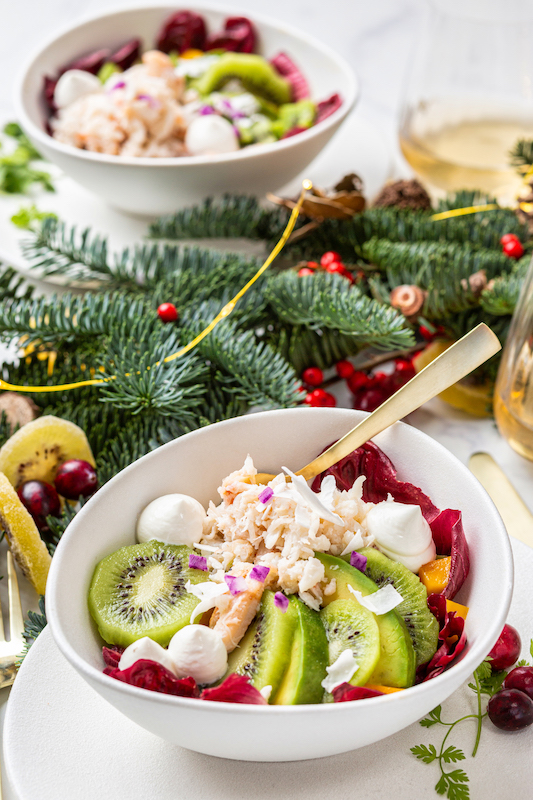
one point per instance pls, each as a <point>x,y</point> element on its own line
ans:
<point>207,547</point>
<point>207,593</point>
<point>355,543</point>
<point>385,599</point>
<point>341,671</point>
<point>236,584</point>
<point>266,691</point>
<point>311,499</point>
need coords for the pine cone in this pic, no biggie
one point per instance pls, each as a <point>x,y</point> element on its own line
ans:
<point>408,299</point>
<point>403,194</point>
<point>476,282</point>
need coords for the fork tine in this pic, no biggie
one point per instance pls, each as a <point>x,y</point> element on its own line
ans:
<point>16,620</point>
<point>2,634</point>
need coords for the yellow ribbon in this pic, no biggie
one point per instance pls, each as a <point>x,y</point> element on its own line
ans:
<point>225,312</point>
<point>459,212</point>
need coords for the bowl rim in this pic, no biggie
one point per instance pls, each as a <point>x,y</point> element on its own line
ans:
<point>20,96</point>
<point>468,663</point>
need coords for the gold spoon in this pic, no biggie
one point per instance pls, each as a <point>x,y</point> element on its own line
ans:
<point>457,361</point>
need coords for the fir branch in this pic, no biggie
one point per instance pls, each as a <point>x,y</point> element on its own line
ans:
<point>521,155</point>
<point>501,297</point>
<point>58,525</point>
<point>13,284</point>
<point>33,626</point>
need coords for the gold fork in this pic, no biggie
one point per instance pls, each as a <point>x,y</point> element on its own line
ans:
<point>11,650</point>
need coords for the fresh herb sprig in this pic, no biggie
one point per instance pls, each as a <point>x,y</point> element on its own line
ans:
<point>454,783</point>
<point>30,218</point>
<point>17,175</point>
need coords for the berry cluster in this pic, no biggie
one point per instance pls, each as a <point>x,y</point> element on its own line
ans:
<point>329,262</point>
<point>511,245</point>
<point>75,478</point>
<point>511,708</point>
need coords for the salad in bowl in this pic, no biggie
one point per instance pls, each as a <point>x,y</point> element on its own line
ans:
<point>201,605</point>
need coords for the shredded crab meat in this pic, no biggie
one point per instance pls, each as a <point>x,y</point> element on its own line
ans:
<point>285,533</point>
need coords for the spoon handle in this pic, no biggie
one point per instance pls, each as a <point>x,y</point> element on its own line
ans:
<point>457,361</point>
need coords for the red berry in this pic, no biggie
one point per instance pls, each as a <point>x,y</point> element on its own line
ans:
<point>344,369</point>
<point>370,400</point>
<point>348,275</point>
<point>520,678</point>
<point>329,400</point>
<point>317,398</point>
<point>380,377</point>
<point>167,312</point>
<point>356,380</point>
<point>513,249</point>
<point>309,398</point>
<point>304,271</point>
<point>506,651</point>
<point>334,267</point>
<point>313,264</point>
<point>41,500</point>
<point>313,376</point>
<point>328,257</point>
<point>510,710</point>
<point>405,366</point>
<point>426,334</point>
<point>509,237</point>
<point>76,477</point>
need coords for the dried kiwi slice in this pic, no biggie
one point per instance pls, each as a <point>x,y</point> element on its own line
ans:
<point>351,626</point>
<point>264,652</point>
<point>422,626</point>
<point>140,591</point>
<point>254,72</point>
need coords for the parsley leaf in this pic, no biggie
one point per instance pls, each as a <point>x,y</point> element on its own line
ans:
<point>17,176</point>
<point>425,754</point>
<point>29,217</point>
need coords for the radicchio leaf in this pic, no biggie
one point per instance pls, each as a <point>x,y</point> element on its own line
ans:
<point>452,639</point>
<point>327,107</point>
<point>111,655</point>
<point>446,526</point>
<point>235,689</point>
<point>127,55</point>
<point>49,87</point>
<point>346,692</point>
<point>89,63</point>
<point>288,70</point>
<point>148,674</point>
<point>182,31</point>
<point>294,132</point>
<point>238,36</point>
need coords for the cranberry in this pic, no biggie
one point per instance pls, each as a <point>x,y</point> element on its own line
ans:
<point>304,271</point>
<point>335,268</point>
<point>344,369</point>
<point>167,312</point>
<point>357,380</point>
<point>369,400</point>
<point>313,376</point>
<point>329,400</point>
<point>508,237</point>
<point>318,398</point>
<point>510,710</point>
<point>520,678</point>
<point>426,334</point>
<point>76,477</point>
<point>513,249</point>
<point>506,651</point>
<point>329,257</point>
<point>41,500</point>
<point>405,366</point>
<point>313,264</point>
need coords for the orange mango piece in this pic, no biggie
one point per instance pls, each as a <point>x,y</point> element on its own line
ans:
<point>377,687</point>
<point>435,574</point>
<point>461,611</point>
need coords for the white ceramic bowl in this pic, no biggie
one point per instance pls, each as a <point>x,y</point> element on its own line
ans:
<point>162,185</point>
<point>195,464</point>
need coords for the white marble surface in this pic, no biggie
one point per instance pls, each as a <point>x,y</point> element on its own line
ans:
<point>377,39</point>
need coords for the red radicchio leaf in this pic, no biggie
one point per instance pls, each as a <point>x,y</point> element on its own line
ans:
<point>235,689</point>
<point>49,86</point>
<point>89,63</point>
<point>148,674</point>
<point>288,69</point>
<point>238,36</point>
<point>452,639</point>
<point>446,526</point>
<point>345,692</point>
<point>293,132</point>
<point>182,31</point>
<point>111,655</point>
<point>327,107</point>
<point>127,55</point>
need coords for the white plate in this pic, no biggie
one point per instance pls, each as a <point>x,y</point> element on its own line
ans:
<point>358,147</point>
<point>63,741</point>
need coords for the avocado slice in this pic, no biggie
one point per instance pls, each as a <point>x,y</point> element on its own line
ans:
<point>396,664</point>
<point>302,681</point>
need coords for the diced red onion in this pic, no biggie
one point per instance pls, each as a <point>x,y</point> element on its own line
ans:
<point>207,110</point>
<point>119,85</point>
<point>259,573</point>
<point>197,562</point>
<point>358,561</point>
<point>152,101</point>
<point>266,495</point>
<point>236,584</point>
<point>281,601</point>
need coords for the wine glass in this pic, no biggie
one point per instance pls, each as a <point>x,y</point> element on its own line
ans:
<point>469,97</point>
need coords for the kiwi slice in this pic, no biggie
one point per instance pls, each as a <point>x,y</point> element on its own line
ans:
<point>140,591</point>
<point>264,652</point>
<point>36,450</point>
<point>422,626</point>
<point>351,626</point>
<point>396,666</point>
<point>294,115</point>
<point>25,543</point>
<point>302,682</point>
<point>254,72</point>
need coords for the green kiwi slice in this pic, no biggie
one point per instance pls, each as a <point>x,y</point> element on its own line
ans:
<point>350,626</point>
<point>396,666</point>
<point>422,626</point>
<point>302,681</point>
<point>264,652</point>
<point>254,72</point>
<point>140,591</point>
